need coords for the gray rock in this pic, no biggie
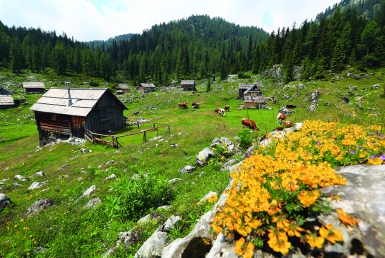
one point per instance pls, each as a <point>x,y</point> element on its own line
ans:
<point>4,201</point>
<point>187,169</point>
<point>39,205</point>
<point>40,173</point>
<point>20,178</point>
<point>225,143</point>
<point>89,191</point>
<point>204,156</point>
<point>36,185</point>
<point>363,196</point>
<point>93,203</point>
<point>112,176</point>
<point>153,246</point>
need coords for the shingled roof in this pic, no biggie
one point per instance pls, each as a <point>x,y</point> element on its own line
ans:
<point>55,101</point>
<point>6,100</point>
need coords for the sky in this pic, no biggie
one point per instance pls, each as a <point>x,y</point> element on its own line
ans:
<point>87,20</point>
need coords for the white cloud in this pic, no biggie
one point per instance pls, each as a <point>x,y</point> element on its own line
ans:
<point>100,19</point>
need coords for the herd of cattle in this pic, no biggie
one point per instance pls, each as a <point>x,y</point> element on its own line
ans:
<point>281,116</point>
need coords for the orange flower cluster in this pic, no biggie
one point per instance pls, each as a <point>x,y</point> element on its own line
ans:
<point>347,218</point>
<point>282,179</point>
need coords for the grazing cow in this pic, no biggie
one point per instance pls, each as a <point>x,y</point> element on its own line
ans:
<point>281,117</point>
<point>220,111</point>
<point>227,108</point>
<point>288,124</point>
<point>195,105</point>
<point>182,105</point>
<point>250,124</point>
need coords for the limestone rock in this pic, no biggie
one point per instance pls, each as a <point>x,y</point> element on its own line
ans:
<point>39,205</point>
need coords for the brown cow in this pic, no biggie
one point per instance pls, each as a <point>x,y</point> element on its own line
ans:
<point>220,111</point>
<point>288,124</point>
<point>227,108</point>
<point>182,105</point>
<point>195,105</point>
<point>250,124</point>
<point>281,117</point>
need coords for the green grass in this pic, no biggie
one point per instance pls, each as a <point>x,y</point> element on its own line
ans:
<point>68,230</point>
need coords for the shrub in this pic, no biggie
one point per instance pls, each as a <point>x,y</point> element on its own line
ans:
<point>245,140</point>
<point>132,198</point>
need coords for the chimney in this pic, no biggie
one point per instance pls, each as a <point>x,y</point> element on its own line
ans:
<point>68,84</point>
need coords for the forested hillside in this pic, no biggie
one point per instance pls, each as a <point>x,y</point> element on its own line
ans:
<point>365,8</point>
<point>204,47</point>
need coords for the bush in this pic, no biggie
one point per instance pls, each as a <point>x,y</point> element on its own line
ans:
<point>132,198</point>
<point>245,140</point>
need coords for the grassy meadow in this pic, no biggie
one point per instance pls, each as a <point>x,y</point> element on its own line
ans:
<point>143,169</point>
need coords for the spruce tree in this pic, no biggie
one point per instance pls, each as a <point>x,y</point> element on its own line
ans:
<point>338,57</point>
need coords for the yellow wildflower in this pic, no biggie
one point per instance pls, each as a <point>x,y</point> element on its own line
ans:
<point>330,234</point>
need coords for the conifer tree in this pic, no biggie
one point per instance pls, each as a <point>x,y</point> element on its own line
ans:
<point>16,56</point>
<point>337,58</point>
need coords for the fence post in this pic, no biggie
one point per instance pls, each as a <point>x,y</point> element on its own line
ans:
<point>144,136</point>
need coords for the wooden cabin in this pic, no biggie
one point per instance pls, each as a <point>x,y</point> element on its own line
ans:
<point>146,87</point>
<point>68,112</point>
<point>188,85</point>
<point>34,87</point>
<point>252,96</point>
<point>122,88</point>
<point>6,99</point>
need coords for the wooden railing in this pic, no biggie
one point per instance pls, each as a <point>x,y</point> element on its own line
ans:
<point>100,138</point>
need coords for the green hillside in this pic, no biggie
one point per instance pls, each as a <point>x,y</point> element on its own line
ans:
<point>66,229</point>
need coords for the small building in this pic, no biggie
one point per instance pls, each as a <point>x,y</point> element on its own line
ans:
<point>188,85</point>
<point>69,112</point>
<point>252,95</point>
<point>146,87</point>
<point>34,87</point>
<point>122,88</point>
<point>6,99</point>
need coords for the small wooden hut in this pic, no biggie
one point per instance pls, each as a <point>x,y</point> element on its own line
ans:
<point>188,85</point>
<point>33,87</point>
<point>68,112</point>
<point>6,99</point>
<point>252,96</point>
<point>122,88</point>
<point>146,87</point>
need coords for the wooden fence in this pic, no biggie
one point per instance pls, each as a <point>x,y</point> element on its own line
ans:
<point>114,142</point>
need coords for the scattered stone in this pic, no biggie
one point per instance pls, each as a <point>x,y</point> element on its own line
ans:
<point>93,203</point>
<point>4,201</point>
<point>208,196</point>
<point>153,247</point>
<point>36,185</point>
<point>40,173</point>
<point>39,205</point>
<point>225,143</point>
<point>204,156</point>
<point>110,177</point>
<point>187,169</point>
<point>20,178</point>
<point>174,180</point>
<point>88,192</point>
<point>109,163</point>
